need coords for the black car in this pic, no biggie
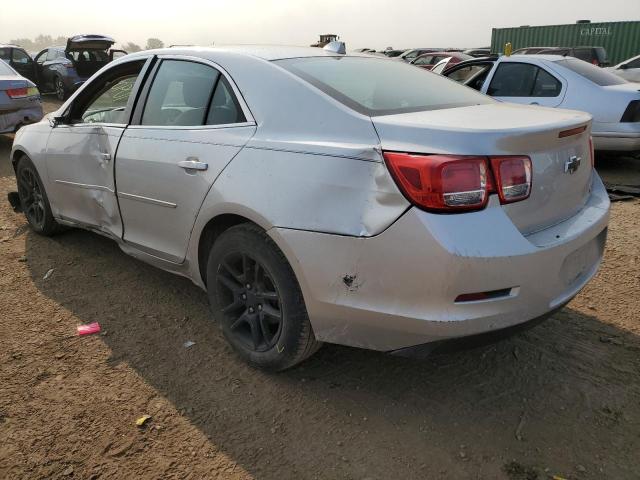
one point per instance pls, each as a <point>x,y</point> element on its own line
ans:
<point>18,58</point>
<point>63,69</point>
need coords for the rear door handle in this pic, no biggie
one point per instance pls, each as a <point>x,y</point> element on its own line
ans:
<point>105,157</point>
<point>192,164</point>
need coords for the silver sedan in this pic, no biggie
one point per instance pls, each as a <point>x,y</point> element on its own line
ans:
<point>319,197</point>
<point>20,102</point>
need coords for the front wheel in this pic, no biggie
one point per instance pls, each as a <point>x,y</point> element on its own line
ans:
<point>61,90</point>
<point>257,301</point>
<point>33,199</point>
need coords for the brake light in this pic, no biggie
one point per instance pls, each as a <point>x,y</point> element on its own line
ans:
<point>513,178</point>
<point>452,183</point>
<point>22,92</point>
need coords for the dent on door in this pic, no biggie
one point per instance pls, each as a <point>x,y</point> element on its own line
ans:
<point>80,169</point>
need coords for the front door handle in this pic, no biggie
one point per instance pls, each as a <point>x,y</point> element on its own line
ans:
<point>105,157</point>
<point>193,164</point>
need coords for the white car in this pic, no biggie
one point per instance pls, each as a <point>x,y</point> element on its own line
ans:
<point>563,82</point>
<point>629,69</point>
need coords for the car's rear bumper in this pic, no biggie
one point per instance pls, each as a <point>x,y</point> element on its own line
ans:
<point>399,288</point>
<point>10,121</point>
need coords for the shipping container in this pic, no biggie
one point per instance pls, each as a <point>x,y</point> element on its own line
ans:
<point>620,39</point>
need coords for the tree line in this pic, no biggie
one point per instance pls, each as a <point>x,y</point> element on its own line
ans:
<point>43,41</point>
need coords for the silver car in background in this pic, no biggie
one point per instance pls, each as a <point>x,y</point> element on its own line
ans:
<point>20,102</point>
<point>320,197</point>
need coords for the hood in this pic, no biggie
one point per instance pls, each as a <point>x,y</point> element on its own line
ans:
<point>89,42</point>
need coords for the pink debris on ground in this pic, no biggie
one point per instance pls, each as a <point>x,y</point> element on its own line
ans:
<point>89,328</point>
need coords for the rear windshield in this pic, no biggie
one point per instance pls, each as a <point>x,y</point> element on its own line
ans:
<point>6,69</point>
<point>375,87</point>
<point>595,74</point>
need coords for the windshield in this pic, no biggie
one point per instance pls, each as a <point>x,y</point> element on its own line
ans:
<point>595,74</point>
<point>374,86</point>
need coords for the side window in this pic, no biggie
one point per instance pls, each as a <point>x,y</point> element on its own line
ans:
<point>41,58</point>
<point>19,56</point>
<point>472,75</point>
<point>107,101</point>
<point>523,80</point>
<point>224,108</point>
<point>5,54</point>
<point>546,85</point>
<point>180,94</point>
<point>634,63</point>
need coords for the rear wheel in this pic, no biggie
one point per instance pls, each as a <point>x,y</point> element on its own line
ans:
<point>61,91</point>
<point>33,199</point>
<point>256,299</point>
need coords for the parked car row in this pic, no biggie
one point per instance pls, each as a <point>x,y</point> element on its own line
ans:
<point>62,69</point>
<point>563,82</point>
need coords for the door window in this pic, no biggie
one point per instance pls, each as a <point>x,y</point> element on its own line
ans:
<point>106,98</point>
<point>20,57</point>
<point>52,54</point>
<point>180,94</point>
<point>5,54</point>
<point>523,80</point>
<point>224,108</point>
<point>634,63</point>
<point>471,75</point>
<point>187,93</point>
<point>41,58</point>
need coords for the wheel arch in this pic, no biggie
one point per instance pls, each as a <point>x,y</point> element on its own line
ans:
<point>211,231</point>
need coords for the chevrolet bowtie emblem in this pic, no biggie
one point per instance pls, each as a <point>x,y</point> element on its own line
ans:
<point>572,165</point>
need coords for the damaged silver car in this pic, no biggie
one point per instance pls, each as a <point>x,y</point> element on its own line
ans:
<point>320,197</point>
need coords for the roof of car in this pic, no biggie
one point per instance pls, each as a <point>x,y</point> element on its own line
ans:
<point>266,52</point>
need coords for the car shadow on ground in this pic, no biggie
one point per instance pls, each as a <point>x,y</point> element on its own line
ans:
<point>549,397</point>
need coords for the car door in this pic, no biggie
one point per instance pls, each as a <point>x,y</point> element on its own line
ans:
<point>192,123</point>
<point>81,149</point>
<point>525,83</point>
<point>41,79</point>
<point>23,63</point>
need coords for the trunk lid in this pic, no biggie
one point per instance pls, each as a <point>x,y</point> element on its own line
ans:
<point>89,42</point>
<point>507,129</point>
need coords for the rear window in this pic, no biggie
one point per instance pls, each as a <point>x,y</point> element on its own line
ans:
<point>381,87</point>
<point>595,74</point>
<point>6,69</point>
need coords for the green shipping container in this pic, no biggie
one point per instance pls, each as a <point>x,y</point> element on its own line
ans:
<point>620,39</point>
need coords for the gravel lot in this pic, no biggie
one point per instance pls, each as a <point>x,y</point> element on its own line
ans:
<point>562,399</point>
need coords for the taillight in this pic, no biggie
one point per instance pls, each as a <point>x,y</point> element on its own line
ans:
<point>513,178</point>
<point>441,182</point>
<point>22,92</point>
<point>452,183</point>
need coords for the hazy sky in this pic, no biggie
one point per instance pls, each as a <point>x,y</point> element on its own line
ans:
<point>360,23</point>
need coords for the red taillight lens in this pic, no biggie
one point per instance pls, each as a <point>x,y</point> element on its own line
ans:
<point>513,178</point>
<point>17,92</point>
<point>441,183</point>
<point>451,183</point>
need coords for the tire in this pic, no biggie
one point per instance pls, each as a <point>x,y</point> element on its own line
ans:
<point>33,199</point>
<point>257,301</point>
<point>60,89</point>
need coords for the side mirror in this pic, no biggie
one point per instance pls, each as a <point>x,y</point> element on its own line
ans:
<point>58,120</point>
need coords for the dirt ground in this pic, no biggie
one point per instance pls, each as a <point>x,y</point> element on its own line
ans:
<point>560,400</point>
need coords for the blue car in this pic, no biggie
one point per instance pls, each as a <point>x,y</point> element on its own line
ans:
<point>63,69</point>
